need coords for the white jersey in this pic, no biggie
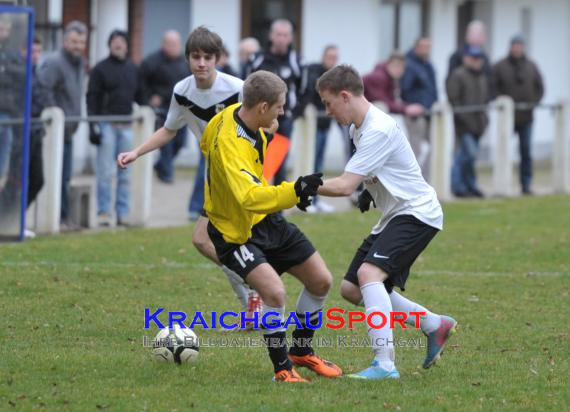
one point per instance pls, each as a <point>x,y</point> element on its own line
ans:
<point>194,107</point>
<point>393,176</point>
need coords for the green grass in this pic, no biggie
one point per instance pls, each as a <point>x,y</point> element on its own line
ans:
<point>71,319</point>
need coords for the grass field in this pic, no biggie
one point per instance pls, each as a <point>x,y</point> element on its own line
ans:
<point>71,319</point>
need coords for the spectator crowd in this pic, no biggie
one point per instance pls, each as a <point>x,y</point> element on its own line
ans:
<point>404,84</point>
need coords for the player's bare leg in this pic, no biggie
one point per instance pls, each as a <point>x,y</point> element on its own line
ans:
<point>317,279</point>
<point>248,298</point>
<point>350,292</point>
<point>271,289</point>
<point>202,242</point>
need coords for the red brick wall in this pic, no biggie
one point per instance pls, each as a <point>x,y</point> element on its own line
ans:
<point>136,15</point>
<point>77,10</point>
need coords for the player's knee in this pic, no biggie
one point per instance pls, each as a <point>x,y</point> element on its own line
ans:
<point>200,240</point>
<point>324,285</point>
<point>320,285</point>
<point>350,292</point>
<point>274,297</point>
<point>369,273</point>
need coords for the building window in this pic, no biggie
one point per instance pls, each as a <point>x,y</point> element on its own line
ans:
<point>257,16</point>
<point>402,22</point>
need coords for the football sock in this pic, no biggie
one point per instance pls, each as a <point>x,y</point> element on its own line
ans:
<point>303,337</point>
<point>428,323</point>
<point>376,299</point>
<point>275,338</point>
<point>238,285</point>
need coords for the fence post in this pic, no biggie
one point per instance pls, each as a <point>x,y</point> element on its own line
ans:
<point>561,149</point>
<point>49,198</point>
<point>502,156</point>
<point>442,138</point>
<point>141,179</point>
<point>304,159</point>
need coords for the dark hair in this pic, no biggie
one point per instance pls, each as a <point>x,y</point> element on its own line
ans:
<point>205,40</point>
<point>262,86</point>
<point>118,33</point>
<point>339,78</point>
<point>37,40</point>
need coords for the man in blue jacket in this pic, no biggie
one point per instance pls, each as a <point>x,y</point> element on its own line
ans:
<point>418,86</point>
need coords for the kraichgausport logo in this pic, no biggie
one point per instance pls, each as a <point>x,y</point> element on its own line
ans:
<point>334,318</point>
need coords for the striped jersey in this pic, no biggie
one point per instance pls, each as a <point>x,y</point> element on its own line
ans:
<point>195,107</point>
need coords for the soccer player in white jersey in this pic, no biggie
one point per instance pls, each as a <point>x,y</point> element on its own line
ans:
<point>195,100</point>
<point>411,217</point>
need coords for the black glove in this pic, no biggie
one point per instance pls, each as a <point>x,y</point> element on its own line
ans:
<point>364,199</point>
<point>306,186</point>
<point>95,133</point>
<point>304,202</point>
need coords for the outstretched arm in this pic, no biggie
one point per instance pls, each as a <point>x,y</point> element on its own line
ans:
<point>343,185</point>
<point>158,139</point>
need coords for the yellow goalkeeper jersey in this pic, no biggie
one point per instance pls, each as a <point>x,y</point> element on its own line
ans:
<point>237,195</point>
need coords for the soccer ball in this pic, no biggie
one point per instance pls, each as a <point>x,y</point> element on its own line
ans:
<point>176,345</point>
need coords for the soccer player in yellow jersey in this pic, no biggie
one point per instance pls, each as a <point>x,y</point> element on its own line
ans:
<point>250,237</point>
<point>195,100</point>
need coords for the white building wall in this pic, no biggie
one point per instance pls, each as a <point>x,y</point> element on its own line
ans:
<point>443,23</point>
<point>223,17</point>
<point>353,26</point>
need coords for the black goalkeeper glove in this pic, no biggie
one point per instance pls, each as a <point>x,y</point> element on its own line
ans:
<point>306,186</point>
<point>304,203</point>
<point>95,133</point>
<point>364,200</point>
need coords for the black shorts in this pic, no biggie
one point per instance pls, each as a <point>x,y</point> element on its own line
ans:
<point>393,250</point>
<point>274,241</point>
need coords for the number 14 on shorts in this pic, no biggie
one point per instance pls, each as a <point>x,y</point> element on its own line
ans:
<point>242,255</point>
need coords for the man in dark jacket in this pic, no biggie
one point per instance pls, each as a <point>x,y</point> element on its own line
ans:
<point>418,86</point>
<point>281,59</point>
<point>62,76</point>
<point>113,88</point>
<point>160,71</point>
<point>467,86</point>
<point>518,77</point>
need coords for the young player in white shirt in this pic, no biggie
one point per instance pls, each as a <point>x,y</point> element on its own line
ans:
<point>195,100</point>
<point>411,217</point>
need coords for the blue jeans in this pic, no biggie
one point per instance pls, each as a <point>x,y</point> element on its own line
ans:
<point>285,129</point>
<point>463,177</point>
<point>165,165</point>
<point>114,140</point>
<point>525,132</point>
<point>6,137</point>
<point>196,204</point>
